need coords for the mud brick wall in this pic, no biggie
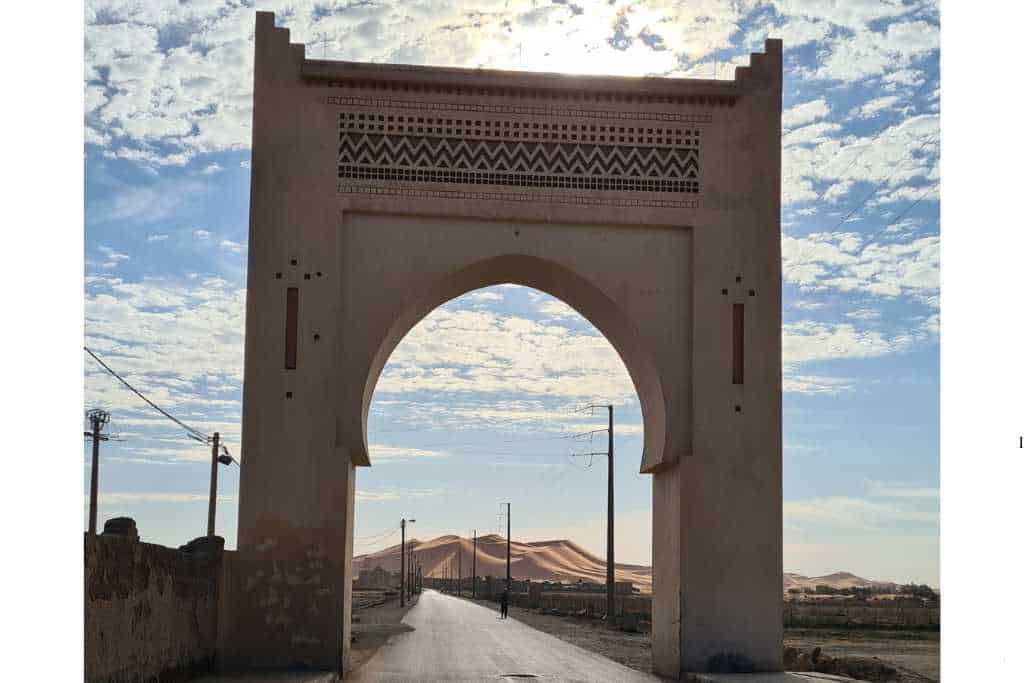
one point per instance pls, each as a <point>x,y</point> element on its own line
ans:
<point>150,611</point>
<point>592,603</point>
<point>886,616</point>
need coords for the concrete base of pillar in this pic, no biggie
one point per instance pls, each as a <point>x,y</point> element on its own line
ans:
<point>280,613</point>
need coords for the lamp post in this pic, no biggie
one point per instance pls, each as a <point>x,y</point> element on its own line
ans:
<point>401,578</point>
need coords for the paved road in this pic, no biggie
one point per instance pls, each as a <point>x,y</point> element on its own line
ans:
<point>457,640</point>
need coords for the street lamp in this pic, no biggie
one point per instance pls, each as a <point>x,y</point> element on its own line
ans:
<point>401,578</point>
<point>218,454</point>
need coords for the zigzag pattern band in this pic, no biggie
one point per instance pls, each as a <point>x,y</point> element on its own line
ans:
<point>521,164</point>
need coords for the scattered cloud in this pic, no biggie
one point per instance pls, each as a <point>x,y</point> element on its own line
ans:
<point>132,497</point>
<point>843,261</point>
<point>861,514</point>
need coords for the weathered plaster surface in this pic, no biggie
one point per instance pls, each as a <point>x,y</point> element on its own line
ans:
<point>150,611</point>
<point>374,232</point>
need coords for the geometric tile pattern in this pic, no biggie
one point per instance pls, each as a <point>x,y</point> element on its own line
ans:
<point>518,153</point>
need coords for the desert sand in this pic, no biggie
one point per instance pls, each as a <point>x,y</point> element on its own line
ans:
<point>558,560</point>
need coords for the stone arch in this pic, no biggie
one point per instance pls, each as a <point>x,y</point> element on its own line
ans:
<point>563,283</point>
<point>651,205</point>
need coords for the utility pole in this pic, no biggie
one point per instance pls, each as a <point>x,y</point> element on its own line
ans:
<point>610,549</point>
<point>611,515</point>
<point>401,574</point>
<point>508,548</point>
<point>402,577</point>
<point>474,564</point>
<point>412,566</point>
<point>212,512</point>
<point>97,418</point>
<point>458,590</point>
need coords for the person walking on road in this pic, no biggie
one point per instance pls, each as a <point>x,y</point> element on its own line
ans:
<point>504,604</point>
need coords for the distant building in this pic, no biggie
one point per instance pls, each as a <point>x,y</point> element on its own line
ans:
<point>377,578</point>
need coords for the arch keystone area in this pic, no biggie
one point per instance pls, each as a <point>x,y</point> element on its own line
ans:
<point>649,205</point>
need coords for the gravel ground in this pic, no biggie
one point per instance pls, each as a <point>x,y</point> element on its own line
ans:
<point>910,651</point>
<point>372,626</point>
<point>915,653</point>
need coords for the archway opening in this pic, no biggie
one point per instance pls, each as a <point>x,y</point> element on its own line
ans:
<point>499,396</point>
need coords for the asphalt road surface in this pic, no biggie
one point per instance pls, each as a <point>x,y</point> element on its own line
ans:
<point>457,640</point>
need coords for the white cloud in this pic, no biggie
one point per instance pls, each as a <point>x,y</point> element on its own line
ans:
<point>796,383</point>
<point>807,341</point>
<point>114,258</point>
<point>883,489</point>
<point>130,497</point>
<point>230,246</point>
<point>390,494</point>
<point>864,314</point>
<point>138,327</point>
<point>804,113</point>
<point>895,157</point>
<point>553,308</point>
<point>842,262</point>
<point>201,234</point>
<point>875,106</point>
<point>844,512</point>
<point>473,351</point>
<point>157,237</point>
<point>379,452</point>
<point>872,53</point>
<point>484,296</point>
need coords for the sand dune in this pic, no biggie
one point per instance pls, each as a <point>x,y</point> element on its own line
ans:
<point>834,580</point>
<point>556,560</point>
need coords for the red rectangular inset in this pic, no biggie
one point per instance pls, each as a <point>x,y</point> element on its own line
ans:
<point>291,334</point>
<point>737,343</point>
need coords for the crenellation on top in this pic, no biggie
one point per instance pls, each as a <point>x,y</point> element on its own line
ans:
<point>764,67</point>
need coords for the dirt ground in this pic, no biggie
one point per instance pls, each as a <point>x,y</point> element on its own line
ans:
<point>914,654</point>
<point>372,626</point>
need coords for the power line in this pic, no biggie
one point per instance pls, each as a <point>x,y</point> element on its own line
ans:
<point>192,432</point>
<point>868,144</point>
<point>878,185</point>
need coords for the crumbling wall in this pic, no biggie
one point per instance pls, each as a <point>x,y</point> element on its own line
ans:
<point>809,615</point>
<point>150,611</point>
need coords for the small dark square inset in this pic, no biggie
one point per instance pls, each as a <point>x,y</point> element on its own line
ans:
<point>295,261</point>
<point>739,409</point>
<point>725,291</point>
<point>306,276</point>
<point>319,274</point>
<point>287,394</point>
<point>750,292</point>
<point>277,276</point>
<point>739,279</point>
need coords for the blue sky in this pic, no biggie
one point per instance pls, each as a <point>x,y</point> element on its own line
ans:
<point>477,400</point>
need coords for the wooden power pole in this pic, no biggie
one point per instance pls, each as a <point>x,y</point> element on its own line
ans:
<point>474,564</point>
<point>211,515</point>
<point>97,418</point>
